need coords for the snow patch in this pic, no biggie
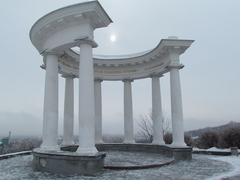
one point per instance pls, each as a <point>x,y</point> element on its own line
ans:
<point>233,160</point>
<point>213,149</point>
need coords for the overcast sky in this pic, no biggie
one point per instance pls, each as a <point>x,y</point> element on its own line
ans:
<point>210,79</point>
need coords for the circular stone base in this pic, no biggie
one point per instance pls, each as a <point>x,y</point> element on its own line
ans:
<point>201,167</point>
<point>179,153</point>
<point>68,163</point>
<point>123,160</point>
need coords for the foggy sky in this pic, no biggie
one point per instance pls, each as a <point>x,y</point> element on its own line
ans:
<point>210,79</point>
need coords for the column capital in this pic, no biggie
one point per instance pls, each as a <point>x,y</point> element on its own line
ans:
<point>98,80</point>
<point>46,57</point>
<point>175,66</point>
<point>70,76</point>
<point>86,40</point>
<point>176,50</point>
<point>174,56</point>
<point>128,80</point>
<point>50,52</point>
<point>43,66</point>
<point>156,75</point>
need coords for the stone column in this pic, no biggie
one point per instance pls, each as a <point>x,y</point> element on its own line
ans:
<point>50,110</point>
<point>98,111</point>
<point>86,99</point>
<point>68,135</point>
<point>128,112</point>
<point>157,115</point>
<point>176,101</point>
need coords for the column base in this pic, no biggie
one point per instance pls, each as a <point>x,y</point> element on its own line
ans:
<point>158,142</point>
<point>69,163</point>
<point>99,142</point>
<point>50,148</point>
<point>72,148</point>
<point>87,151</point>
<point>178,145</point>
<point>128,142</point>
<point>182,154</point>
<point>68,144</point>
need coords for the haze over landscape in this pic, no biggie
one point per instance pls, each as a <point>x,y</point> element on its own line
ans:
<point>210,79</point>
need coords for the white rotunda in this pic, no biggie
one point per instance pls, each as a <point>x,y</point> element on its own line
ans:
<point>65,39</point>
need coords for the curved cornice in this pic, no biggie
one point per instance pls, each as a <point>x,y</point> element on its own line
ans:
<point>59,31</point>
<point>134,66</point>
<point>91,12</point>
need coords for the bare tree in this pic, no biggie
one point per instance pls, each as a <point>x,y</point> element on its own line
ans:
<point>146,127</point>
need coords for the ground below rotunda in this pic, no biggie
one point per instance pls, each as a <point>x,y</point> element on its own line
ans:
<point>201,167</point>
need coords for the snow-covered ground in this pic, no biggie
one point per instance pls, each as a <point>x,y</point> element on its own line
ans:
<point>234,161</point>
<point>213,149</point>
<point>201,167</point>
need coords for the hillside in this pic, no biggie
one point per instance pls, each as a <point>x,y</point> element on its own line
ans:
<point>198,132</point>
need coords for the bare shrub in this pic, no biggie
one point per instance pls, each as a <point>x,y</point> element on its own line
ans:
<point>208,140</point>
<point>188,140</point>
<point>231,138</point>
<point>168,138</point>
<point>145,131</point>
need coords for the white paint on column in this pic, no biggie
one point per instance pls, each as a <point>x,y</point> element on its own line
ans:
<point>157,115</point>
<point>86,101</point>
<point>98,111</point>
<point>128,113</point>
<point>68,137</point>
<point>176,108</point>
<point>50,112</point>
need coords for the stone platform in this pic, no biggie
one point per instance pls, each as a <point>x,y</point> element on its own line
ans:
<point>125,160</point>
<point>68,163</point>
<point>178,153</point>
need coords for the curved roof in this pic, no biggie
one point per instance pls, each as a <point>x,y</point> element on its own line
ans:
<point>133,66</point>
<point>65,22</point>
<point>60,30</point>
<point>115,57</point>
